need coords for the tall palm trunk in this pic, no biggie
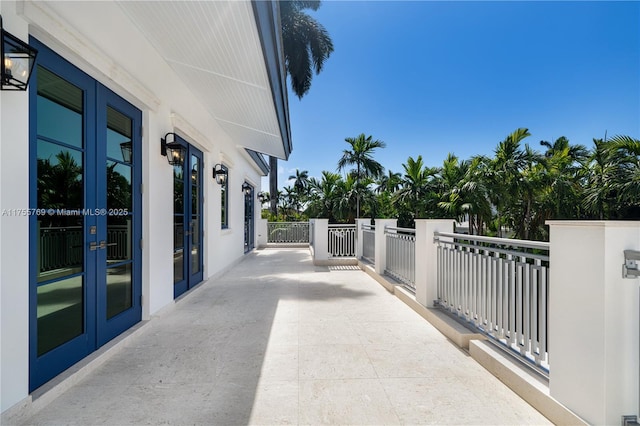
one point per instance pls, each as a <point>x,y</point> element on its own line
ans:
<point>273,185</point>
<point>358,193</point>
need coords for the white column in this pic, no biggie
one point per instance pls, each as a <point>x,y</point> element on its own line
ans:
<point>426,258</point>
<point>320,241</point>
<point>381,244</point>
<point>263,232</point>
<point>14,244</point>
<point>359,223</point>
<point>593,319</point>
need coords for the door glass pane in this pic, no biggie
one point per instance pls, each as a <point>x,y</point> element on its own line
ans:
<point>60,192</point>
<point>119,289</point>
<point>119,208</point>
<point>178,248</point>
<point>60,247</point>
<point>119,146</point>
<point>59,109</point>
<point>195,185</point>
<point>195,244</point>
<point>60,313</point>
<point>195,215</point>
<point>60,184</point>
<point>119,239</point>
<point>178,190</point>
<point>119,187</point>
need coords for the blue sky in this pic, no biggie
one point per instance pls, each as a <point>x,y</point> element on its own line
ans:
<point>429,78</point>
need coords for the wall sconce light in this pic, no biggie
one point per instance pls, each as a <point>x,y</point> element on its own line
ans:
<point>174,151</point>
<point>220,174</point>
<point>127,151</point>
<point>18,59</point>
<point>246,188</point>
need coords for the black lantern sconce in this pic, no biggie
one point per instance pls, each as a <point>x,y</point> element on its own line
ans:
<point>246,188</point>
<point>18,59</point>
<point>174,151</point>
<point>220,174</point>
<point>127,151</point>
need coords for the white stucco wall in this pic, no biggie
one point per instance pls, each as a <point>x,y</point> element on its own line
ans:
<point>124,61</point>
<point>14,231</point>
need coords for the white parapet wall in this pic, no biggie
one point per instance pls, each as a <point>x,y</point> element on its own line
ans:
<point>262,232</point>
<point>426,258</point>
<point>320,242</point>
<point>359,237</point>
<point>594,344</point>
<point>381,244</point>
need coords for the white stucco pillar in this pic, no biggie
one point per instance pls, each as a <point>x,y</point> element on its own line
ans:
<point>594,319</point>
<point>359,223</point>
<point>14,244</point>
<point>426,258</point>
<point>262,231</point>
<point>320,241</point>
<point>381,244</point>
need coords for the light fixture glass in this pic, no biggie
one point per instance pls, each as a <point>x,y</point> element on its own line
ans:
<point>246,188</point>
<point>174,151</point>
<point>220,174</point>
<point>18,59</point>
<point>127,151</point>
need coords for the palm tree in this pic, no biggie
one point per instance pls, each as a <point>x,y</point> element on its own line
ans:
<point>562,163</point>
<point>416,191</point>
<point>389,182</point>
<point>626,154</point>
<point>505,170</point>
<point>600,181</point>
<point>361,156</point>
<point>307,45</point>
<point>301,181</point>
<point>323,195</point>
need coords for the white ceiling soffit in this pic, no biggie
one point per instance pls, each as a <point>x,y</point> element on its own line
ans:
<point>214,47</point>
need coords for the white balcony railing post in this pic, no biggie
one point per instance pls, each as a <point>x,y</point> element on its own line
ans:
<point>320,241</point>
<point>426,258</point>
<point>593,319</point>
<point>359,236</point>
<point>381,244</point>
<point>263,233</point>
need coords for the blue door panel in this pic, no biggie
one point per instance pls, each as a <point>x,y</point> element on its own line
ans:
<point>191,277</point>
<point>96,328</point>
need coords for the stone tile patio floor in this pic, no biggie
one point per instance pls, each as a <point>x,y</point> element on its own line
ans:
<point>277,340</point>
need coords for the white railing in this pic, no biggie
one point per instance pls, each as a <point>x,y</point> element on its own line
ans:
<point>369,243</point>
<point>499,285</point>
<point>60,247</point>
<point>342,240</point>
<point>288,232</point>
<point>401,258</point>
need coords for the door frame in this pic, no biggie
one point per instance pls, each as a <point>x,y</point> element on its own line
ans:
<point>46,366</point>
<point>108,328</point>
<point>190,280</point>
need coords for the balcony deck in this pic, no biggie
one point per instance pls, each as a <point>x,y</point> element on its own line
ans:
<point>277,340</point>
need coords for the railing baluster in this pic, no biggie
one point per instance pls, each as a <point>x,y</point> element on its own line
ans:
<point>499,285</point>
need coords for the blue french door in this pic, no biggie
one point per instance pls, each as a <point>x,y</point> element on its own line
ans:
<point>249,196</point>
<point>85,157</point>
<point>187,220</point>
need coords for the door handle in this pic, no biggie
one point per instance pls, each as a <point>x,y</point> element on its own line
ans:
<point>103,244</point>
